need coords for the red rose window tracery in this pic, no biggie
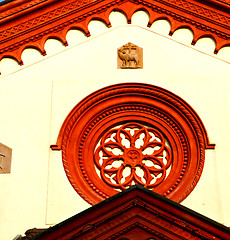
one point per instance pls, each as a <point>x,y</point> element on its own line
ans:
<point>133,154</point>
<point>129,134</point>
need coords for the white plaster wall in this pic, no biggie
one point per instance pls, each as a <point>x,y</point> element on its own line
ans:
<point>36,98</point>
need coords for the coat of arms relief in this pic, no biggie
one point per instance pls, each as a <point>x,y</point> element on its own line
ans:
<point>129,56</point>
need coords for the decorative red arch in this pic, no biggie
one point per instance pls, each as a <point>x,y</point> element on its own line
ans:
<point>30,22</point>
<point>106,120</point>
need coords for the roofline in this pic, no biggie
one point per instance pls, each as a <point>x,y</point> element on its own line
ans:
<point>147,191</point>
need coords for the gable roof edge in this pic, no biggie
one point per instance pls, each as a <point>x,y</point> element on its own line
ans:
<point>158,201</point>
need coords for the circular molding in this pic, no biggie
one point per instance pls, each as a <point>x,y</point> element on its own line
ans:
<point>129,134</point>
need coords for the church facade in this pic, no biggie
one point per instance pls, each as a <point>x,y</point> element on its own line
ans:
<point>97,96</point>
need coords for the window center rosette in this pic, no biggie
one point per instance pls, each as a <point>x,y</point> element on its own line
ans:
<point>133,154</point>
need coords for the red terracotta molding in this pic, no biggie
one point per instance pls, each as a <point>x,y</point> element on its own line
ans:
<point>136,213</point>
<point>18,8</point>
<point>12,4</point>
<point>217,3</point>
<point>85,132</point>
<point>31,23</point>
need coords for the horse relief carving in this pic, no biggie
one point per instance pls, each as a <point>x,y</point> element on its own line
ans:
<point>129,56</point>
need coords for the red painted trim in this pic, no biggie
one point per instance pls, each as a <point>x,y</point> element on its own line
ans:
<point>219,3</point>
<point>137,214</point>
<point>29,23</point>
<point>18,8</point>
<point>112,106</point>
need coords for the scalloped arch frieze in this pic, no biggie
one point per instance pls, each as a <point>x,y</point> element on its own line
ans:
<point>30,23</point>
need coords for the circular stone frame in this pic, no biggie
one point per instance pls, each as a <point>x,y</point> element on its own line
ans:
<point>143,104</point>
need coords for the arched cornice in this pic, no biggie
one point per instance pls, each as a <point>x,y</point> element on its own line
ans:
<point>178,103</point>
<point>30,22</point>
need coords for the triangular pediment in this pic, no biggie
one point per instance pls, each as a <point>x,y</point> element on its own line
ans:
<point>136,213</point>
<point>30,23</point>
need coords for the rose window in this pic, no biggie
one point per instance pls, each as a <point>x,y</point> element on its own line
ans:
<point>133,154</point>
<point>129,134</point>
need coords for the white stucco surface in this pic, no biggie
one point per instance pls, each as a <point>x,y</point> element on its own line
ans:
<point>36,98</point>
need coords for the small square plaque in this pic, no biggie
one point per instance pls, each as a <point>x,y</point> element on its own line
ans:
<point>129,56</point>
<point>5,158</point>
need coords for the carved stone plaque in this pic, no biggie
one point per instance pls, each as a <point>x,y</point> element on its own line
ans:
<point>5,158</point>
<point>129,56</point>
